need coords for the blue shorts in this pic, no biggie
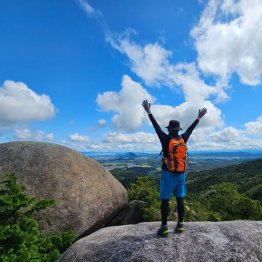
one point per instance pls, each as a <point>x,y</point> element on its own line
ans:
<point>172,183</point>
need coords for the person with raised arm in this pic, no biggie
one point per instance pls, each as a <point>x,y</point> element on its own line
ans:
<point>174,161</point>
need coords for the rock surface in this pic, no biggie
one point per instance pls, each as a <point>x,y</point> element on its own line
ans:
<point>202,242</point>
<point>86,193</point>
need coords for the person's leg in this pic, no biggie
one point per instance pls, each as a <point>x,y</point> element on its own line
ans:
<point>165,194</point>
<point>180,209</point>
<point>163,230</point>
<point>180,193</point>
<point>164,211</point>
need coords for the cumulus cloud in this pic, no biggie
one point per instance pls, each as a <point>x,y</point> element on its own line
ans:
<point>227,134</point>
<point>228,138</point>
<point>185,76</point>
<point>187,112</point>
<point>117,141</point>
<point>139,141</point>
<point>231,138</point>
<point>101,123</point>
<point>130,114</point>
<point>149,62</point>
<point>38,135</point>
<point>138,137</point>
<point>80,146</point>
<point>126,104</point>
<point>254,127</point>
<point>228,39</point>
<point>194,88</point>
<point>75,137</point>
<point>18,103</point>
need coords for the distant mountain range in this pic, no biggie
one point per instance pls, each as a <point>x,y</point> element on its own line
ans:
<point>205,154</point>
<point>227,154</point>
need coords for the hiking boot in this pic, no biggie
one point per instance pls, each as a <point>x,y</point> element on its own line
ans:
<point>163,231</point>
<point>179,228</point>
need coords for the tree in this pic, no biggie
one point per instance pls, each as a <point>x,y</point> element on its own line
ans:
<point>224,199</point>
<point>20,238</point>
<point>147,190</point>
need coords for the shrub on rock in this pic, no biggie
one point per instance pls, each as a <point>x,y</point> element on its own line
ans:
<point>20,238</point>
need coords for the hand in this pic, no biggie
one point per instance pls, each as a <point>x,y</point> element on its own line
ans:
<point>146,106</point>
<point>201,113</point>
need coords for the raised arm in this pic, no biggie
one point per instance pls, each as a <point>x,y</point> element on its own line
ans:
<point>147,107</point>
<point>189,131</point>
<point>201,113</point>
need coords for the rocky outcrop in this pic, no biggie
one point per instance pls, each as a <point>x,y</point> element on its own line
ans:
<point>87,195</point>
<point>202,242</point>
<point>131,214</point>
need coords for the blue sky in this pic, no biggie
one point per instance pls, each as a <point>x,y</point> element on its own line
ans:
<point>75,72</point>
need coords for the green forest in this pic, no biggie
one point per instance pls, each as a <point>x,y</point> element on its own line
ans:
<point>228,193</point>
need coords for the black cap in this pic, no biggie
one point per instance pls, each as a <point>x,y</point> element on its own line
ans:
<point>174,125</point>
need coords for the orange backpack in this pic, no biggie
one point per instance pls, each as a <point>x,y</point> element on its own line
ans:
<point>176,159</point>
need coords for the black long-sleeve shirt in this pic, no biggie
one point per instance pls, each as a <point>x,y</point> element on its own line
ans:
<point>165,138</point>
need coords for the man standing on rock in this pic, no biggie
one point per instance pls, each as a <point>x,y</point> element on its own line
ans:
<point>173,177</point>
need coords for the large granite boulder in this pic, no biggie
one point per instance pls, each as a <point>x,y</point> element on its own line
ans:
<point>239,241</point>
<point>87,195</point>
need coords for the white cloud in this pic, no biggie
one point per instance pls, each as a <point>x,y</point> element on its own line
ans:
<point>197,93</point>
<point>80,146</point>
<point>138,137</point>
<point>149,62</point>
<point>75,137</point>
<point>194,88</point>
<point>254,127</point>
<point>139,141</point>
<point>130,114</point>
<point>126,103</point>
<point>152,64</point>
<point>228,39</point>
<point>228,135</point>
<point>118,141</point>
<point>18,103</point>
<point>38,135</point>
<point>231,138</point>
<point>228,138</point>
<point>101,122</point>
<point>187,112</point>
<point>89,10</point>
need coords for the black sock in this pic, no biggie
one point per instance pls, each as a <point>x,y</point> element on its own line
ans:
<point>180,208</point>
<point>164,211</point>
